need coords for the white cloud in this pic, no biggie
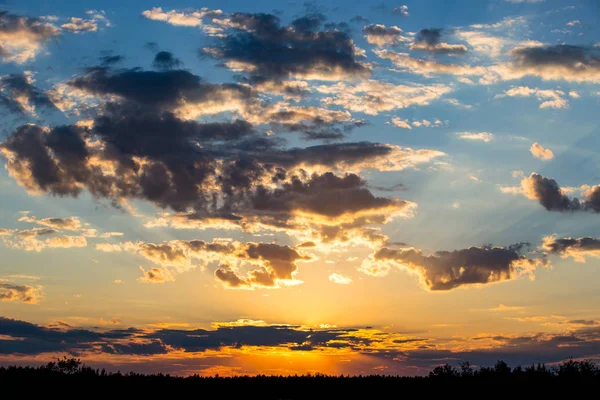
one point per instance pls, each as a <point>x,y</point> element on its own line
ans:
<point>540,152</point>
<point>372,97</point>
<point>340,279</point>
<point>549,98</point>
<point>482,136</point>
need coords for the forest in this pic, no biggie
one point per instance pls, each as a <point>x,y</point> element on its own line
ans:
<point>571,375</point>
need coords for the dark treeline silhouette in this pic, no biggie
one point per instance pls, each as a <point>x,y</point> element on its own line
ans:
<point>70,373</point>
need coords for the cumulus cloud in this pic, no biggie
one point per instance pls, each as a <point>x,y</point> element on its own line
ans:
<point>549,98</point>
<point>401,10</point>
<point>401,123</point>
<point>189,97</point>
<point>78,25</point>
<point>577,248</point>
<point>19,95</point>
<point>430,40</point>
<point>21,38</point>
<point>182,18</point>
<point>406,124</point>
<point>555,62</point>
<point>19,293</point>
<point>447,270</point>
<point>156,275</point>
<point>480,136</point>
<point>381,36</point>
<point>540,152</point>
<point>300,50</point>
<point>550,195</point>
<point>373,97</point>
<point>141,147</point>
<point>483,42</point>
<point>165,60</point>
<point>269,265</point>
<point>340,279</point>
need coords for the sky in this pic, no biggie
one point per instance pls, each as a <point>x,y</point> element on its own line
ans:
<point>282,188</point>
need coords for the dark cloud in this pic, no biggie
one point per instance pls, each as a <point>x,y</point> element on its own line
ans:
<point>563,61</point>
<point>552,198</point>
<point>109,60</point>
<point>176,163</point>
<point>259,45</point>
<point>431,36</point>
<point>579,244</point>
<point>430,40</point>
<point>578,248</point>
<point>446,270</point>
<point>381,35</point>
<point>21,96</point>
<point>327,195</point>
<point>515,350</point>
<point>160,89</point>
<point>359,19</point>
<point>165,60</point>
<point>35,339</point>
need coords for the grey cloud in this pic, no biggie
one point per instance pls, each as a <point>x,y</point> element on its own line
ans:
<point>446,270</point>
<point>165,60</point>
<point>17,88</point>
<point>261,46</point>
<point>551,197</point>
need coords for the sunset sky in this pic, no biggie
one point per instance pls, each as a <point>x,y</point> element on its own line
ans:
<point>275,187</point>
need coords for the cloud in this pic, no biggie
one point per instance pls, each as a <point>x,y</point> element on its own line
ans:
<point>505,308</point>
<point>20,293</point>
<point>246,338</point>
<point>549,98</point>
<point>373,97</point>
<point>402,11</point>
<point>139,148</point>
<point>21,38</point>
<point>483,42</point>
<point>549,194</point>
<point>447,270</point>
<point>401,123</point>
<point>78,25</point>
<point>481,136</point>
<point>270,265</point>
<point>257,44</point>
<point>69,223</point>
<point>405,124</point>
<point>36,339</point>
<point>156,275</point>
<point>381,36</point>
<point>189,97</point>
<point>177,18</point>
<point>577,248</point>
<point>38,238</point>
<point>539,152</point>
<point>340,279</point>
<point>165,60</point>
<point>524,1</point>
<point>430,40</point>
<point>425,67</point>
<point>555,62</point>
<point>19,94</point>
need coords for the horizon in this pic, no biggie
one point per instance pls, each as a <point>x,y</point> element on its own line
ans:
<point>309,187</point>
